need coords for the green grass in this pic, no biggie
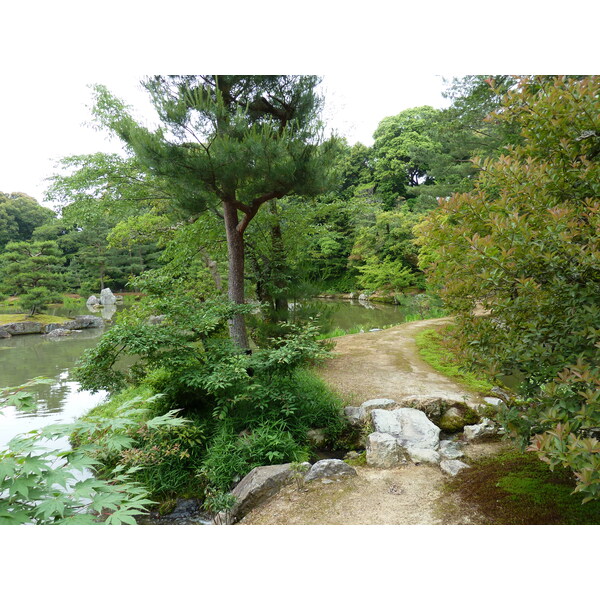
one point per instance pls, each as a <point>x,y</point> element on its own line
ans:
<point>442,359</point>
<point>21,317</point>
<point>515,488</point>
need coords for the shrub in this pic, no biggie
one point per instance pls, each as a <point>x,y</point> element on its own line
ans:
<point>518,261</point>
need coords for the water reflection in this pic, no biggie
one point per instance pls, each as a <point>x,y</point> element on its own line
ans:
<point>106,312</point>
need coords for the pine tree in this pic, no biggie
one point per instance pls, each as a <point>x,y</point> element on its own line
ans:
<point>228,143</point>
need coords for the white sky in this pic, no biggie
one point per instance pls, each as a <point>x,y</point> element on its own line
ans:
<point>38,129</point>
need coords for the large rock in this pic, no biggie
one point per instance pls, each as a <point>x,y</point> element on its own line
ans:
<point>493,401</point>
<point>59,332</point>
<point>92,300</point>
<point>107,297</point>
<point>455,418</point>
<point>23,327</point>
<point>409,426</point>
<point>483,430</point>
<point>87,321</point>
<point>330,468</point>
<point>435,405</point>
<point>354,414</point>
<point>64,325</point>
<point>4,334</point>
<point>370,405</point>
<point>256,487</point>
<point>383,451</point>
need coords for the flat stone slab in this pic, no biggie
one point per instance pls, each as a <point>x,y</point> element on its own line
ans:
<point>423,455</point>
<point>450,450</point>
<point>453,467</point>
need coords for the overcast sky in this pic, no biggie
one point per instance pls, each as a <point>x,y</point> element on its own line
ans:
<point>53,122</point>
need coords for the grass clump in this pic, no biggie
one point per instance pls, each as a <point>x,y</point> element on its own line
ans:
<point>515,488</point>
<point>434,351</point>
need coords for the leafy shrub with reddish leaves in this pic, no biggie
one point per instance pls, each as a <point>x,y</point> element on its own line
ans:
<point>517,261</point>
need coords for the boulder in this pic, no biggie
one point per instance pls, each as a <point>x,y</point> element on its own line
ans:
<point>453,467</point>
<point>93,300</point>
<point>330,468</point>
<point>410,426</point>
<point>107,297</point>
<point>420,455</point>
<point>257,486</point>
<point>434,406</point>
<point>363,297</point>
<point>484,429</point>
<point>370,405</point>
<point>383,451</point>
<point>59,332</point>
<point>354,414</point>
<point>64,325</point>
<point>87,322</point>
<point>450,450</point>
<point>454,419</point>
<point>23,327</point>
<point>4,334</point>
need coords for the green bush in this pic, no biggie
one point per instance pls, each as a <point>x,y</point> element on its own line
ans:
<point>231,456</point>
<point>517,260</point>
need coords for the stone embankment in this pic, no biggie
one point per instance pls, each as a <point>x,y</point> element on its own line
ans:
<point>26,327</point>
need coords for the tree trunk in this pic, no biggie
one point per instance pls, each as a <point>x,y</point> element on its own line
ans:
<point>278,263</point>
<point>235,287</point>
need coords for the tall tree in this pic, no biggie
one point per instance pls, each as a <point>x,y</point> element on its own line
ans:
<point>20,214</point>
<point>228,143</point>
<point>401,144</point>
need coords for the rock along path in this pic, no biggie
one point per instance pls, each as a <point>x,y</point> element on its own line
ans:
<point>379,364</point>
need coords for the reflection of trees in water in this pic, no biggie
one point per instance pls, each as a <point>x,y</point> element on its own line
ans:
<point>27,356</point>
<point>51,398</point>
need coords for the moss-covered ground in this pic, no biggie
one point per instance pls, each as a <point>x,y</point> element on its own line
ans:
<point>20,317</point>
<point>516,488</point>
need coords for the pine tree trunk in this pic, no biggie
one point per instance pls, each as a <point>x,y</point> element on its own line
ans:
<point>235,287</point>
<point>278,262</point>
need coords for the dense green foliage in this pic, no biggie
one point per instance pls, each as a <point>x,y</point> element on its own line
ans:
<point>245,409</point>
<point>19,216</point>
<point>523,247</point>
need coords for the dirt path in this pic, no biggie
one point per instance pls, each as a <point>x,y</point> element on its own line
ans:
<point>385,364</point>
<point>382,364</point>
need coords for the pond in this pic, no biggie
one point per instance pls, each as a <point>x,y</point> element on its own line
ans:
<point>27,356</point>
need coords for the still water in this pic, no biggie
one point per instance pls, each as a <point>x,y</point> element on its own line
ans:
<point>24,357</point>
